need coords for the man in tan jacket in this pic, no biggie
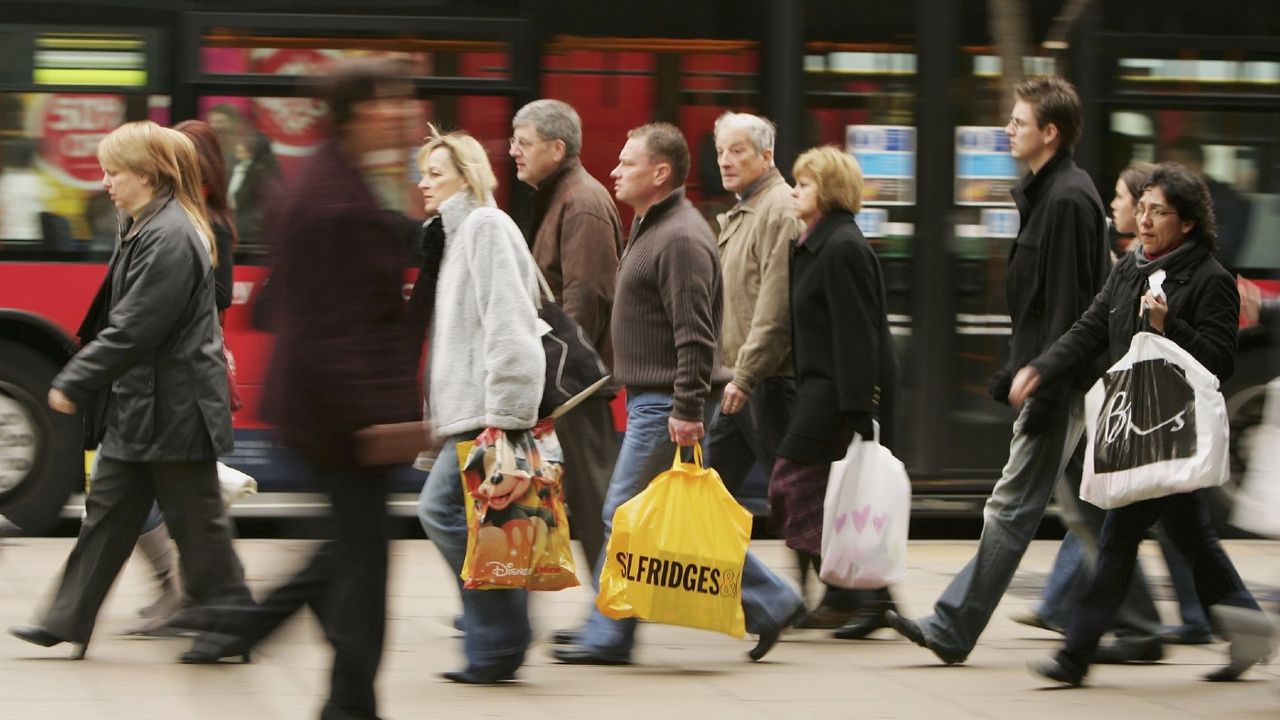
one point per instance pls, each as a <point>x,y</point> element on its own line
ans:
<point>754,243</point>
<point>576,237</point>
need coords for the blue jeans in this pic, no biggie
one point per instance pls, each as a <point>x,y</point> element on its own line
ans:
<point>647,450</point>
<point>1010,518</point>
<point>496,621</point>
<point>1066,583</point>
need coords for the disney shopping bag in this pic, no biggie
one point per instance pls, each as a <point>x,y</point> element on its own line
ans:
<point>517,527</point>
<point>1156,425</point>
<point>677,551</point>
<point>865,518</point>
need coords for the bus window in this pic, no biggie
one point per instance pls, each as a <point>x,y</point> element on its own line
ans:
<point>51,196</point>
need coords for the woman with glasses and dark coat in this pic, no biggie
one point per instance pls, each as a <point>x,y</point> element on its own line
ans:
<point>1199,312</point>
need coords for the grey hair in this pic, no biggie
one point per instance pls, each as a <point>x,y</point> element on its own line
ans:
<point>553,120</point>
<point>761,130</point>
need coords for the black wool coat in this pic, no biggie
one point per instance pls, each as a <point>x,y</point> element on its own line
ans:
<point>844,359</point>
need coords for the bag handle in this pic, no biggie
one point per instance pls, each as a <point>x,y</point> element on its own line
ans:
<point>545,293</point>
<point>697,456</point>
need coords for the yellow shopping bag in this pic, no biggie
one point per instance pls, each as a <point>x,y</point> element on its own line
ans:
<point>677,551</point>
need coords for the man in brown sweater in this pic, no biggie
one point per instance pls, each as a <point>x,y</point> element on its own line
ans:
<point>666,339</point>
<point>576,237</point>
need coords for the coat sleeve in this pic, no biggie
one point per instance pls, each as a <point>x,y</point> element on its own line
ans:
<point>1070,252</point>
<point>1212,339</point>
<point>851,278</point>
<point>161,279</point>
<point>768,341</point>
<point>1087,339</point>
<point>500,269</point>
<point>589,269</point>
<point>685,272</point>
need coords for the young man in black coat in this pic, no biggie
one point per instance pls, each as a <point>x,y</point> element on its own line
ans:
<point>1058,263</point>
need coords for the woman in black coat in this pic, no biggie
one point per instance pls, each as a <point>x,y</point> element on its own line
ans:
<point>1199,312</point>
<point>844,362</point>
<point>158,360</point>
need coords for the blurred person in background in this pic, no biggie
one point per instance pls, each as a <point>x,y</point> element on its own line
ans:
<point>1231,209</point>
<point>845,368</point>
<point>1200,313</point>
<point>23,192</point>
<point>576,237</point>
<point>255,182</point>
<point>228,123</point>
<point>486,370</point>
<point>158,357</point>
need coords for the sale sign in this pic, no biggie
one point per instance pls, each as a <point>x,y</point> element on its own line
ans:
<point>72,127</point>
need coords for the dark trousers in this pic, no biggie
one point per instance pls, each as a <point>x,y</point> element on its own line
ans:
<point>118,502</point>
<point>736,443</point>
<point>353,608</point>
<point>1186,520</point>
<point>590,446</point>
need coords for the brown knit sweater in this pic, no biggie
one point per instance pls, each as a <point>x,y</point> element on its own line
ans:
<point>668,307</point>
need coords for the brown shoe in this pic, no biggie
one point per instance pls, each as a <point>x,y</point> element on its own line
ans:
<point>826,618</point>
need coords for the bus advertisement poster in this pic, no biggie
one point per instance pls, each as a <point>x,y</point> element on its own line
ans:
<point>985,171</point>
<point>887,156</point>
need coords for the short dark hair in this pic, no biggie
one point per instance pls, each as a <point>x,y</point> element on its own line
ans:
<point>1055,101</point>
<point>351,82</point>
<point>1189,196</point>
<point>664,142</point>
<point>1136,176</point>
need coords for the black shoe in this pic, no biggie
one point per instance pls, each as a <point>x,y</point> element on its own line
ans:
<point>1186,635</point>
<point>1050,669</point>
<point>460,623</point>
<point>912,631</point>
<point>859,628</point>
<point>769,638</point>
<point>1130,650</point>
<point>211,648</point>
<point>493,674</point>
<point>578,655</point>
<point>826,618</point>
<point>37,635</point>
<point>565,637</point>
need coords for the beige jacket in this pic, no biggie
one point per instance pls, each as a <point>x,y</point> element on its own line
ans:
<point>755,250</point>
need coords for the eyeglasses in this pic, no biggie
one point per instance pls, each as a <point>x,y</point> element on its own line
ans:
<point>1157,212</point>
<point>522,143</point>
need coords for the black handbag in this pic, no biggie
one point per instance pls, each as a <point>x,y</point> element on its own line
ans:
<point>574,368</point>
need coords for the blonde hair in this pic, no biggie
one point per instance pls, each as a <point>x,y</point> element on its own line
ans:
<point>469,159</point>
<point>168,160</point>
<point>837,175</point>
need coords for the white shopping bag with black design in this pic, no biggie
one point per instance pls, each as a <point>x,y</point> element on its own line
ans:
<point>1157,425</point>
<point>865,518</point>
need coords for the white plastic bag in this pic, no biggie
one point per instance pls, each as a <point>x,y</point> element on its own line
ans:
<point>234,484</point>
<point>1258,502</point>
<point>865,518</point>
<point>1156,425</point>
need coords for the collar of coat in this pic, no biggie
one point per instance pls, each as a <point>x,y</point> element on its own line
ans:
<point>131,227</point>
<point>826,226</point>
<point>755,191</point>
<point>455,209</point>
<point>656,211</point>
<point>1033,183</point>
<point>547,188</point>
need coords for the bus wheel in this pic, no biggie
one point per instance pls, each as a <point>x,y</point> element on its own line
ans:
<point>41,452</point>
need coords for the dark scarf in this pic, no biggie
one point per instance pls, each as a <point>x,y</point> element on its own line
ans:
<point>422,301</point>
<point>1147,266</point>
